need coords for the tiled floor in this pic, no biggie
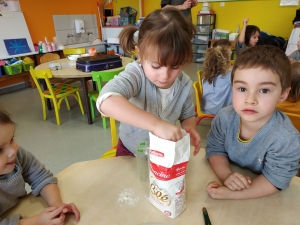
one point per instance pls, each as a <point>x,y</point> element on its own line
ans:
<point>74,140</point>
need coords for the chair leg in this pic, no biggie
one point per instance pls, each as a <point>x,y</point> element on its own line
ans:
<point>104,122</point>
<point>56,108</point>
<point>67,103</point>
<point>79,102</point>
<point>92,108</point>
<point>44,108</point>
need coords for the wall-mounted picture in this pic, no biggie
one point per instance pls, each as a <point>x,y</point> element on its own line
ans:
<point>16,46</point>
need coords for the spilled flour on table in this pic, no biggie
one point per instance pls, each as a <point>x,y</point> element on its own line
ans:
<point>127,198</point>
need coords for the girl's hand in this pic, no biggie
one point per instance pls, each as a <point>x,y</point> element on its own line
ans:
<point>217,191</point>
<point>186,5</point>
<point>52,215</point>
<point>71,208</point>
<point>245,21</point>
<point>195,139</point>
<point>167,131</point>
<point>237,182</point>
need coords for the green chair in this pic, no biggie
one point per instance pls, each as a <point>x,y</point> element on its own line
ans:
<point>99,77</point>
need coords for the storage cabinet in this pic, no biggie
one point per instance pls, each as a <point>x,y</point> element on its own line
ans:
<point>204,27</point>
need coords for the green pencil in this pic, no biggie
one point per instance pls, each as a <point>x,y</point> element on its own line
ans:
<point>206,217</point>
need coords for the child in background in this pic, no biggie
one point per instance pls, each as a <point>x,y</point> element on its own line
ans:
<point>251,132</point>
<point>292,104</point>
<point>295,56</point>
<point>216,84</point>
<point>153,92</point>
<point>247,38</point>
<point>18,166</point>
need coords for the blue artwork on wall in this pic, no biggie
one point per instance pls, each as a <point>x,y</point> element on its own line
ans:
<point>16,46</point>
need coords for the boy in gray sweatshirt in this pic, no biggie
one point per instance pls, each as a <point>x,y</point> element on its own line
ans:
<point>251,132</point>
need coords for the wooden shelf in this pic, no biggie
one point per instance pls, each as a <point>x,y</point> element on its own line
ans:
<point>6,80</point>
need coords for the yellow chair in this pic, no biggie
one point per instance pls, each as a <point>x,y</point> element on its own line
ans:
<point>56,92</point>
<point>232,61</point>
<point>73,51</point>
<point>198,92</point>
<point>295,118</point>
<point>100,77</point>
<point>113,130</point>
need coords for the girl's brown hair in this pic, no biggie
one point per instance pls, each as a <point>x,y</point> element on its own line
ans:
<point>217,60</point>
<point>294,95</point>
<point>165,35</point>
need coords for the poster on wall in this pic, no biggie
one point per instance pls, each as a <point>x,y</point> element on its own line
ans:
<point>289,2</point>
<point>16,46</point>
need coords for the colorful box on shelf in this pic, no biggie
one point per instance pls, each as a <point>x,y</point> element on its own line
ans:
<point>128,15</point>
<point>26,66</point>
<point>13,69</point>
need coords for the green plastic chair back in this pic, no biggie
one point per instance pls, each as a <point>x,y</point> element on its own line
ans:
<point>100,77</point>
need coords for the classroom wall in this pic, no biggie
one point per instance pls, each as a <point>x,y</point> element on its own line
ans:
<point>267,15</point>
<point>38,14</point>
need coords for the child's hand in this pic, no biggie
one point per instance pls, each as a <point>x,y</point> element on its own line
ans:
<point>187,4</point>
<point>194,3</point>
<point>245,21</point>
<point>71,208</point>
<point>195,139</point>
<point>291,60</point>
<point>167,131</point>
<point>217,191</point>
<point>237,182</point>
<point>51,215</point>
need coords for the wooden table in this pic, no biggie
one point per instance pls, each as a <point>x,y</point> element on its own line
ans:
<point>69,71</point>
<point>96,186</point>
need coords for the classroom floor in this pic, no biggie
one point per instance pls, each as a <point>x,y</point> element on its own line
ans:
<point>74,140</point>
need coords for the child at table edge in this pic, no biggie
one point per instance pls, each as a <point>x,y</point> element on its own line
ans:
<point>18,166</point>
<point>152,93</point>
<point>252,132</point>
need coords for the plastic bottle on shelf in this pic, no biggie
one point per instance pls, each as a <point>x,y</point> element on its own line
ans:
<point>53,46</point>
<point>44,47</point>
<point>48,45</point>
<point>40,47</point>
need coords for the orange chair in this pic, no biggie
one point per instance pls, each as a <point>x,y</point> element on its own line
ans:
<point>295,118</point>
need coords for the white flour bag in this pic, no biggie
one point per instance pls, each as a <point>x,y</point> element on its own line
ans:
<point>168,162</point>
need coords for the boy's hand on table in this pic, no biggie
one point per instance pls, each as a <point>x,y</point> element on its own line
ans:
<point>217,191</point>
<point>237,182</point>
<point>51,215</point>
<point>195,139</point>
<point>71,208</point>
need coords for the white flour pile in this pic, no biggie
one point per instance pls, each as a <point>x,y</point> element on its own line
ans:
<point>127,198</point>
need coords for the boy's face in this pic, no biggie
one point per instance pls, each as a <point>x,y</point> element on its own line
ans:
<point>8,148</point>
<point>255,93</point>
